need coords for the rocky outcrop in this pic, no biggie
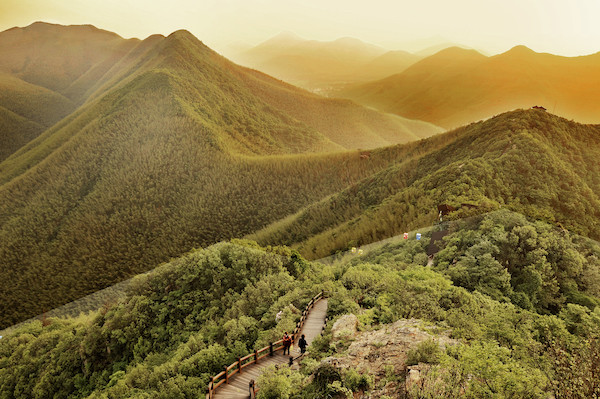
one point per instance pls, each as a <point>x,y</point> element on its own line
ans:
<point>345,326</point>
<point>383,353</point>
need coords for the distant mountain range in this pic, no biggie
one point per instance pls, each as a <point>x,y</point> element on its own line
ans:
<point>120,154</point>
<point>457,86</point>
<point>322,66</point>
<point>48,71</point>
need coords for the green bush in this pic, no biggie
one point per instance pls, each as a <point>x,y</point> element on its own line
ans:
<point>426,352</point>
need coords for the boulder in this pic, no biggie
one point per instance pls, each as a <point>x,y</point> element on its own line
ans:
<point>344,326</point>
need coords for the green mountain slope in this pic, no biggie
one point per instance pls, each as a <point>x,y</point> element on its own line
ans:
<point>456,86</point>
<point>529,161</point>
<point>35,103</point>
<point>27,110</point>
<point>15,131</point>
<point>168,154</point>
<point>342,121</point>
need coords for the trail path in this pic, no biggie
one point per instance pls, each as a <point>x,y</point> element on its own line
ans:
<point>238,384</point>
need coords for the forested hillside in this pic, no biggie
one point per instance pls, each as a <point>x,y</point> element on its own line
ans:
<point>529,161</point>
<point>457,86</point>
<point>480,344</point>
<point>178,326</point>
<point>175,148</point>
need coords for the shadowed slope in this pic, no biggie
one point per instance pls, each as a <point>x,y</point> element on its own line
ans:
<point>27,110</point>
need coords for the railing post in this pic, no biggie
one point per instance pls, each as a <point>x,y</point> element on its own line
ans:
<point>255,356</point>
<point>240,364</point>
<point>226,376</point>
<point>271,349</point>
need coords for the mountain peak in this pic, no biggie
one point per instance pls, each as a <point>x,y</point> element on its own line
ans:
<point>520,50</point>
<point>182,34</point>
<point>185,36</point>
<point>457,51</point>
<point>283,38</point>
<point>43,27</point>
<point>349,41</point>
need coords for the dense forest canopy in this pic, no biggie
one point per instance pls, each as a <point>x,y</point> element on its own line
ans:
<point>193,316</point>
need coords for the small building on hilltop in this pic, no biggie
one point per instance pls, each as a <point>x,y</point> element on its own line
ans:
<point>538,107</point>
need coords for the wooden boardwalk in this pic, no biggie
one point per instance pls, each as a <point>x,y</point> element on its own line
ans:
<point>238,387</point>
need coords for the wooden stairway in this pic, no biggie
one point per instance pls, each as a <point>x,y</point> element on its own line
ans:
<point>238,385</point>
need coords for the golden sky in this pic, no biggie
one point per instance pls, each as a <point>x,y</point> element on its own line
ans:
<point>566,27</point>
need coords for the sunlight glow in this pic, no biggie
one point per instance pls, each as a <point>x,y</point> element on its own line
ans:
<point>556,26</point>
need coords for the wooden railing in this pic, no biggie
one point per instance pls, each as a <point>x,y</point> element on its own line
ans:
<point>253,358</point>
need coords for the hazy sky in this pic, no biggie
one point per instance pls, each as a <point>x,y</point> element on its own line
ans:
<point>566,27</point>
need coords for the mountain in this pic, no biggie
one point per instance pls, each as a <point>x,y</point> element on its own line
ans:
<point>457,86</point>
<point>387,64</point>
<point>528,161</point>
<point>46,71</point>
<point>175,147</point>
<point>26,110</point>
<point>50,70</point>
<point>321,66</point>
<point>436,48</point>
<point>64,59</point>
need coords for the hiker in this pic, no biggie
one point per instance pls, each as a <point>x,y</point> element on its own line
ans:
<point>287,343</point>
<point>302,344</point>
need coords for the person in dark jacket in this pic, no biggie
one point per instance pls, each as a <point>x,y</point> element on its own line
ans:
<point>302,344</point>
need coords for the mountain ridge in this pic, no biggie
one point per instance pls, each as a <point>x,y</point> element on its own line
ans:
<point>452,88</point>
<point>322,65</point>
<point>486,164</point>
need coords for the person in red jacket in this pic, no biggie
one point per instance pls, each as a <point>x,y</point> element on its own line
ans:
<point>287,343</point>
